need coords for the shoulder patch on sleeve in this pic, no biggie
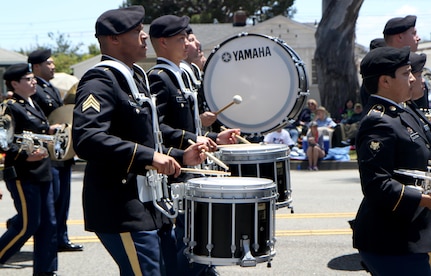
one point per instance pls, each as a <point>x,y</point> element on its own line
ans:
<point>375,145</point>
<point>376,109</point>
<point>91,102</point>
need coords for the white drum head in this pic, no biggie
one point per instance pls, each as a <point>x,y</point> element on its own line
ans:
<point>262,72</point>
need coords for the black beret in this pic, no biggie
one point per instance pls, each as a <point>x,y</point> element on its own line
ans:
<point>384,60</point>
<point>168,25</point>
<point>417,61</point>
<point>399,25</point>
<point>16,71</point>
<point>119,21</point>
<point>189,30</point>
<point>377,42</point>
<point>39,56</point>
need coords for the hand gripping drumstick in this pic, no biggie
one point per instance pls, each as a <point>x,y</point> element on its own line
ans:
<point>235,100</point>
<point>212,157</point>
<point>242,139</point>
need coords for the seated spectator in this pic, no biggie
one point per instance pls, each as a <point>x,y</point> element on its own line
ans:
<point>316,146</point>
<point>298,128</point>
<point>347,111</point>
<point>280,136</point>
<point>323,119</point>
<point>306,116</point>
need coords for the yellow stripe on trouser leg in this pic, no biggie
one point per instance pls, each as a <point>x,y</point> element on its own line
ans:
<point>130,249</point>
<point>24,218</point>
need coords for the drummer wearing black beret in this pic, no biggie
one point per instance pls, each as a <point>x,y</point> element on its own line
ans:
<point>392,229</point>
<point>169,38</point>
<point>114,127</point>
<point>401,31</point>
<point>176,105</point>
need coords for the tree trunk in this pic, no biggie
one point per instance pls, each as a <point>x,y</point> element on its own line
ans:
<point>335,54</point>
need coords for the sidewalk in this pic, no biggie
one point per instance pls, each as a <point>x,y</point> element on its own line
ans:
<point>325,165</point>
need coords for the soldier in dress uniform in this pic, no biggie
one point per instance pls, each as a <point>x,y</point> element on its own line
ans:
<point>418,62</point>
<point>48,98</point>
<point>169,38</point>
<point>398,32</point>
<point>178,109</point>
<point>401,31</point>
<point>392,230</point>
<point>115,132</point>
<point>27,174</point>
<point>193,67</point>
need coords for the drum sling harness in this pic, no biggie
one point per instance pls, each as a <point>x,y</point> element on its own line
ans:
<point>152,186</point>
<point>187,92</point>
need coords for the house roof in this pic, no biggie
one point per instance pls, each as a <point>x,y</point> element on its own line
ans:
<point>295,34</point>
<point>10,57</point>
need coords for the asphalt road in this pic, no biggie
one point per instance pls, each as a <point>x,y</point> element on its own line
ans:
<point>314,240</point>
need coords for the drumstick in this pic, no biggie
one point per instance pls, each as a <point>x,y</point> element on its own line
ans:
<point>235,100</point>
<point>242,139</point>
<point>196,171</point>
<point>207,172</point>
<point>212,157</point>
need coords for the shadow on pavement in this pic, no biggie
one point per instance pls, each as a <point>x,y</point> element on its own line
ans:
<point>350,262</point>
<point>19,257</point>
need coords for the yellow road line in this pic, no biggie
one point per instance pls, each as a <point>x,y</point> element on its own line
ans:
<point>315,215</point>
<point>91,238</point>
<point>282,233</point>
<point>277,216</point>
<point>317,232</point>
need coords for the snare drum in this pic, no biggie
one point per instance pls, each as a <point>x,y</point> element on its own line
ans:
<point>267,74</point>
<point>264,161</point>
<point>230,220</point>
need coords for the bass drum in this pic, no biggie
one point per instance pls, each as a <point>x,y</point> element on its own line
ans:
<point>268,75</point>
<point>62,149</point>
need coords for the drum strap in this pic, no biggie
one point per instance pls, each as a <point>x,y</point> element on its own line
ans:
<point>149,186</point>
<point>141,98</point>
<point>187,92</point>
<point>193,79</point>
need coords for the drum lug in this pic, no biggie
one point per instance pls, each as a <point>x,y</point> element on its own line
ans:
<point>248,259</point>
<point>210,248</point>
<point>233,249</point>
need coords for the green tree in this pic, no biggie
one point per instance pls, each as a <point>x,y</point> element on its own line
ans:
<point>206,11</point>
<point>65,53</point>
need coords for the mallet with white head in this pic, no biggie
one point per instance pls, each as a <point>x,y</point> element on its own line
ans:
<point>236,100</point>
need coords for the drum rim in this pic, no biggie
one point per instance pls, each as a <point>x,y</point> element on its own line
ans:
<point>283,117</point>
<point>262,149</point>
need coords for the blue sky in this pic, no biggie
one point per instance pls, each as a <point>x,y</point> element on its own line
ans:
<point>373,16</point>
<point>27,23</point>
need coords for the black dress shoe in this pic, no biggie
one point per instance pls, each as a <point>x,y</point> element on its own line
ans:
<point>70,247</point>
<point>45,274</point>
